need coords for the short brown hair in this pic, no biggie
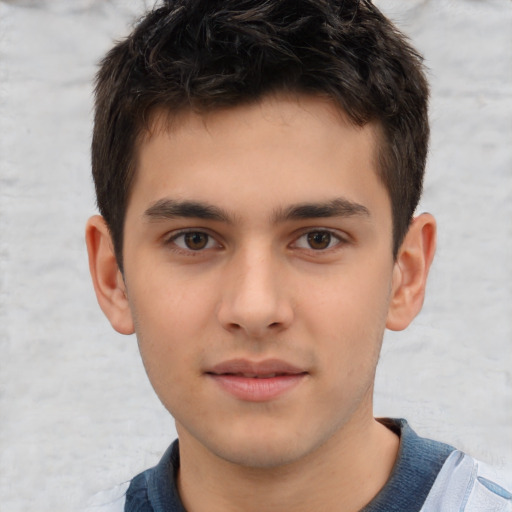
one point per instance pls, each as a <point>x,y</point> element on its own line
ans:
<point>211,54</point>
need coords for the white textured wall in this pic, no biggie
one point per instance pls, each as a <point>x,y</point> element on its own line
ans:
<point>76,411</point>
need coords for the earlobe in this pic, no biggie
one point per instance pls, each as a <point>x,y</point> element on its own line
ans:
<point>411,271</point>
<point>106,277</point>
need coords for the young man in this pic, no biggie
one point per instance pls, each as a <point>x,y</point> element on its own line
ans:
<point>257,167</point>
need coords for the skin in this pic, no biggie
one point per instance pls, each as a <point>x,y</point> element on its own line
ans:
<point>259,280</point>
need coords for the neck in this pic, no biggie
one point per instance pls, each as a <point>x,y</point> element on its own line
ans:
<point>344,474</point>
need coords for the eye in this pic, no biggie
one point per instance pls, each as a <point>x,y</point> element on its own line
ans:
<point>194,241</point>
<point>318,240</point>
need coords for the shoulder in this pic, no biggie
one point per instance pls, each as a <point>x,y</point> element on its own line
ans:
<point>434,477</point>
<point>153,490</point>
<point>112,500</point>
<point>468,485</point>
<point>132,496</point>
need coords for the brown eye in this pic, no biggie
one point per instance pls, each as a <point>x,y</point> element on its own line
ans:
<point>196,240</point>
<point>319,240</point>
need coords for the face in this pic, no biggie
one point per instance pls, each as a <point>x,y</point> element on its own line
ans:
<point>258,270</point>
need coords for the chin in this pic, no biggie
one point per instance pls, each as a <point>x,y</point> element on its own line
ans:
<point>261,455</point>
<point>265,449</point>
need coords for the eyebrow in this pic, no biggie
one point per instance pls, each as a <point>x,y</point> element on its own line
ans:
<point>172,209</point>
<point>339,207</point>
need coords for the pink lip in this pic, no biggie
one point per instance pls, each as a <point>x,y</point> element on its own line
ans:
<point>256,381</point>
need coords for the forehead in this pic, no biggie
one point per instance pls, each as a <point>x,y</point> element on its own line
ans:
<point>288,149</point>
<point>318,113</point>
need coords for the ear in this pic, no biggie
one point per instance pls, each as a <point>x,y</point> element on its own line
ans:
<point>410,272</point>
<point>107,278</point>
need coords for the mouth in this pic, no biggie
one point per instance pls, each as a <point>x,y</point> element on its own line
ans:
<point>256,369</point>
<point>256,381</point>
<point>256,375</point>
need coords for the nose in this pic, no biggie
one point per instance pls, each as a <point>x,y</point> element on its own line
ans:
<point>254,299</point>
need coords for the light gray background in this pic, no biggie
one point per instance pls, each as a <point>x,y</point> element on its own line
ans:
<point>77,413</point>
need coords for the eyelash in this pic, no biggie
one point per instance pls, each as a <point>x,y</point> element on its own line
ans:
<point>334,236</point>
<point>171,241</point>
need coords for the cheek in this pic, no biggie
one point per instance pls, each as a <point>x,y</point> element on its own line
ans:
<point>169,350</point>
<point>170,318</point>
<point>346,316</point>
<point>169,301</point>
